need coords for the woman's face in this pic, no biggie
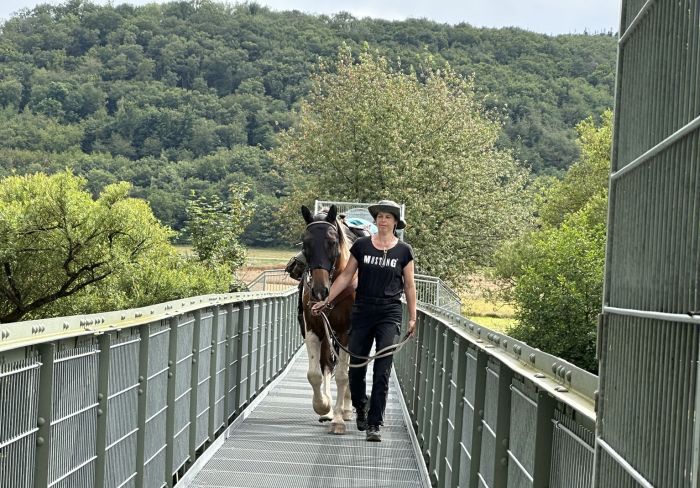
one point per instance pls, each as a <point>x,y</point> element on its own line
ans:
<point>385,221</point>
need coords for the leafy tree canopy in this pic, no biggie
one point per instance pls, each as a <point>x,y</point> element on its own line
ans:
<point>60,249</point>
<point>368,131</point>
<point>554,274</point>
<point>176,96</point>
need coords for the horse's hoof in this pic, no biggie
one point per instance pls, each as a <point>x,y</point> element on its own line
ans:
<point>322,406</point>
<point>324,419</point>
<point>347,415</point>
<point>338,429</point>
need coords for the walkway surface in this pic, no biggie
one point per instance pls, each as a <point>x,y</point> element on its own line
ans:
<point>282,444</point>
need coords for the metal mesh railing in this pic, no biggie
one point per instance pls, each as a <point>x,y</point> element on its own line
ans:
<point>431,290</point>
<point>490,411</point>
<point>648,335</point>
<point>111,401</point>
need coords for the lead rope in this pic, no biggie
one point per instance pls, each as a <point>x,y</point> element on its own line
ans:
<point>382,353</point>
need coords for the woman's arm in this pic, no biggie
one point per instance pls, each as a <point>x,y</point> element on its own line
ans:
<point>409,289</point>
<point>341,282</point>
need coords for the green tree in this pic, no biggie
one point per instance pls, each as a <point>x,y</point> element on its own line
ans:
<point>368,131</point>
<point>215,227</point>
<point>554,274</point>
<point>586,178</point>
<point>558,293</point>
<point>55,240</point>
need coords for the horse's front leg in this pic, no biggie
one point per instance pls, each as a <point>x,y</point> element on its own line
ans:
<point>321,401</point>
<point>341,411</point>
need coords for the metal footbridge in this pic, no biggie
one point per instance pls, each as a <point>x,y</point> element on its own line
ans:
<point>210,391</point>
<point>279,443</point>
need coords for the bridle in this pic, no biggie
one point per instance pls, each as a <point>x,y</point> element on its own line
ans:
<point>309,268</point>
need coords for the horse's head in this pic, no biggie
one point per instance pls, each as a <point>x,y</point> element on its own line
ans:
<point>324,248</point>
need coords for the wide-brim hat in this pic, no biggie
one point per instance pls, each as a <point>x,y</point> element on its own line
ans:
<point>388,206</point>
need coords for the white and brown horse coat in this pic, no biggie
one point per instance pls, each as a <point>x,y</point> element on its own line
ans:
<point>327,250</point>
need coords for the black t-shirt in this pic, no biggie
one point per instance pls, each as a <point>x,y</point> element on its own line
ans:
<point>380,275</point>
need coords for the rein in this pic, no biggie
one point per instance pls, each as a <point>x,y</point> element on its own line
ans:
<point>382,353</point>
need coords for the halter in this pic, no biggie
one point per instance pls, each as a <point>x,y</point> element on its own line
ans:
<point>331,272</point>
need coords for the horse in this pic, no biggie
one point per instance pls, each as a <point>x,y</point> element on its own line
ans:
<point>326,248</point>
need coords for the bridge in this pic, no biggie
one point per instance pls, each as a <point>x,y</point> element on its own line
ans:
<point>207,391</point>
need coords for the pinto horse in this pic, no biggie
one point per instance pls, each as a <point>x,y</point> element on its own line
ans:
<point>326,248</point>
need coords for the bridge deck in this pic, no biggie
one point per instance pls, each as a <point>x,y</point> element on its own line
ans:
<point>281,444</point>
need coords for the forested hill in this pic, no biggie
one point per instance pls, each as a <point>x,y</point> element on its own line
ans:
<point>189,95</point>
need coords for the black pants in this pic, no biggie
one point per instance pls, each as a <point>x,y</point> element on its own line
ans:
<point>373,322</point>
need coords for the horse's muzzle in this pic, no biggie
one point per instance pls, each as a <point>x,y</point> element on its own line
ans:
<point>320,292</point>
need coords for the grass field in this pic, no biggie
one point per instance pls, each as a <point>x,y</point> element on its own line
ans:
<point>260,259</point>
<point>495,315</point>
<point>268,258</point>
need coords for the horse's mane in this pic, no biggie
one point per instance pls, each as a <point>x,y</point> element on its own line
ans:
<point>343,243</point>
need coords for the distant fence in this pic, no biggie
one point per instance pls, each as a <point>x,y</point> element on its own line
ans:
<point>431,290</point>
<point>131,398</point>
<point>272,280</point>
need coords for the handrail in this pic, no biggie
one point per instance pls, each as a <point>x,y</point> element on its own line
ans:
<point>135,396</point>
<point>481,401</point>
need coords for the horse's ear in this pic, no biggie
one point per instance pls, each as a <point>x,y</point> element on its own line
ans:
<point>332,214</point>
<point>307,214</point>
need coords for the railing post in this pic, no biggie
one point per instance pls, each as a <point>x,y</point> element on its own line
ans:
<point>505,378</point>
<point>245,346</point>
<point>543,440</point>
<point>424,397</point>
<point>477,418</point>
<point>43,440</point>
<point>230,352</point>
<point>170,416</point>
<point>455,417</point>
<point>438,392</point>
<point>194,382</point>
<point>445,404</point>
<point>213,365</point>
<point>104,342</point>
<point>145,335</point>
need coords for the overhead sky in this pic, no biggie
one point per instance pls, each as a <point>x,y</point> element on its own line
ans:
<point>545,16</point>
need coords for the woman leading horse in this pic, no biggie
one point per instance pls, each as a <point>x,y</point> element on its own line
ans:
<point>385,269</point>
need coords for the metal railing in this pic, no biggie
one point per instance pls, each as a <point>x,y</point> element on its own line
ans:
<point>431,290</point>
<point>131,398</point>
<point>490,411</point>
<point>272,280</point>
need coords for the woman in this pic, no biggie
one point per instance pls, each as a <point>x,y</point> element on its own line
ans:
<point>385,270</point>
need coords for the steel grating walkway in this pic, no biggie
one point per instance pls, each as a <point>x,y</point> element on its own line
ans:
<point>280,443</point>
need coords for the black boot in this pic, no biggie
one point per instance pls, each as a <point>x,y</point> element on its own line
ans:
<point>373,434</point>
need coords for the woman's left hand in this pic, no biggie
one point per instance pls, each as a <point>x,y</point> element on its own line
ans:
<point>411,327</point>
<point>318,307</point>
